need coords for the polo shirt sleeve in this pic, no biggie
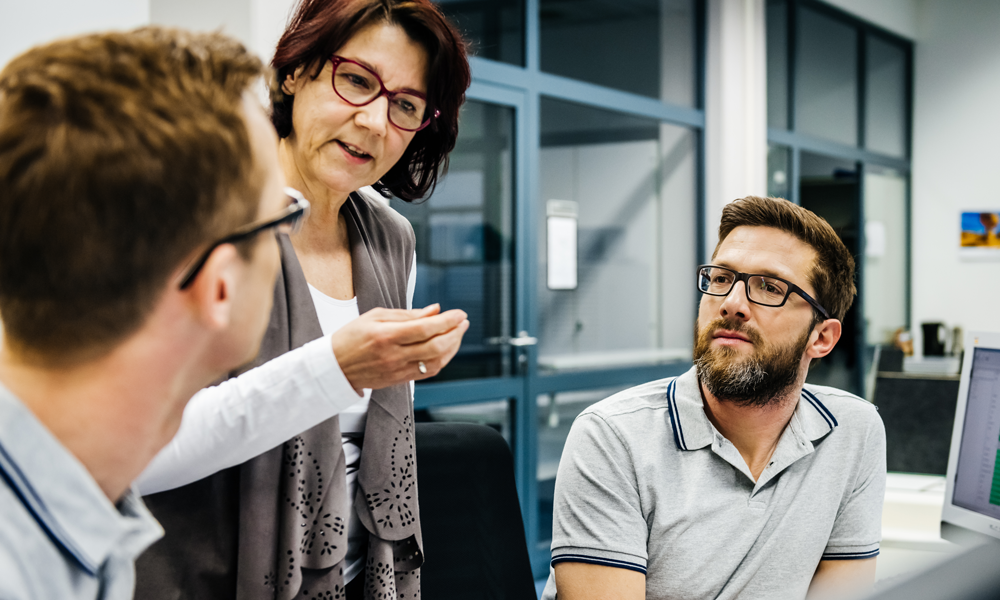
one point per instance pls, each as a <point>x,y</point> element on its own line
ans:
<point>858,529</point>
<point>597,514</point>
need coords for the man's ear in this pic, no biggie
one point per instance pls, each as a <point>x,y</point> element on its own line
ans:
<point>213,290</point>
<point>823,338</point>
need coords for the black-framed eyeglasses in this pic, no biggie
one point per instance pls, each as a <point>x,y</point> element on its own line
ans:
<point>288,221</point>
<point>358,85</point>
<point>766,290</point>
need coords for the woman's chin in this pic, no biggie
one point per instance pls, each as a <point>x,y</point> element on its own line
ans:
<point>339,184</point>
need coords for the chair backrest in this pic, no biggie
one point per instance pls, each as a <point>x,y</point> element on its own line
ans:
<point>918,413</point>
<point>474,544</point>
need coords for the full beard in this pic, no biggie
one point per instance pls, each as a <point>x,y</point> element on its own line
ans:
<point>761,379</point>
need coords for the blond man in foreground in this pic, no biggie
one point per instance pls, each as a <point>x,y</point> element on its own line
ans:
<point>125,159</point>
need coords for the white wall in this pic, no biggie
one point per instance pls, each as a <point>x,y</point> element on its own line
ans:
<point>955,155</point>
<point>955,159</point>
<point>27,23</point>
<point>256,23</point>
<point>232,17</point>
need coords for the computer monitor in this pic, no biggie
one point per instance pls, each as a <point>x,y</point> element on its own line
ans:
<point>971,512</point>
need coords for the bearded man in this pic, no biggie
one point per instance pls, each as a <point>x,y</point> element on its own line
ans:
<point>736,479</point>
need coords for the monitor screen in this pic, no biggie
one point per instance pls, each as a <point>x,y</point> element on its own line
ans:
<point>972,499</point>
<point>977,480</point>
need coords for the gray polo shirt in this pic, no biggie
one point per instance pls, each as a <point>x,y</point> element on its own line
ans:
<point>60,536</point>
<point>647,483</point>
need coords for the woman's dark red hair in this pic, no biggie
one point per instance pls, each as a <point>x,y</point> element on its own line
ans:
<point>321,27</point>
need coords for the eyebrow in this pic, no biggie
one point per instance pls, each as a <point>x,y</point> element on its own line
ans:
<point>365,63</point>
<point>770,273</point>
<point>378,72</point>
<point>766,272</point>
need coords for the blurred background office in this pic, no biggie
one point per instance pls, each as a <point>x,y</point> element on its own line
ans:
<point>599,143</point>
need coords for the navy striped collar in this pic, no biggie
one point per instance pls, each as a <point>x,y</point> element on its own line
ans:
<point>692,430</point>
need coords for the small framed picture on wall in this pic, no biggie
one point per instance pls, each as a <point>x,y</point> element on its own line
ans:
<point>980,235</point>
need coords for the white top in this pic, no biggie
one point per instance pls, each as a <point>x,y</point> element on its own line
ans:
<point>334,314</point>
<point>241,418</point>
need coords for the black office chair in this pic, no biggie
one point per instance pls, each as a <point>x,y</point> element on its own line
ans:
<point>918,413</point>
<point>474,543</point>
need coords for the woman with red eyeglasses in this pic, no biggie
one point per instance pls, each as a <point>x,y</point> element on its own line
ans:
<point>366,106</point>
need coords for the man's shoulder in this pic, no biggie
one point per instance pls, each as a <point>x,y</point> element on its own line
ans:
<point>841,400</point>
<point>30,564</point>
<point>650,396</point>
<point>844,409</point>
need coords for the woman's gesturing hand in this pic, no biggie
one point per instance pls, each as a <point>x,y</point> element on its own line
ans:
<point>384,347</point>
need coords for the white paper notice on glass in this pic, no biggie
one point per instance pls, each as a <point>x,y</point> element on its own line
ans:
<point>875,239</point>
<point>561,241</point>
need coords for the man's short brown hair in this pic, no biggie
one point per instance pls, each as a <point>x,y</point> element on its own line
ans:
<point>832,275</point>
<point>120,154</point>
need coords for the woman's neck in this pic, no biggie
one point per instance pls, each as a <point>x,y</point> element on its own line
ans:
<point>322,246</point>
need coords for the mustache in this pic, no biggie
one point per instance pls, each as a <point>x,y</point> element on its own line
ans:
<point>735,326</point>
<point>757,378</point>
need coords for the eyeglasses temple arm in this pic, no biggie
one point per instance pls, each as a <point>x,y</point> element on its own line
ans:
<point>812,301</point>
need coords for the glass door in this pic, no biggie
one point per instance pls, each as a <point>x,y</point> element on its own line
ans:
<point>471,255</point>
<point>830,188</point>
<point>568,223</point>
<point>465,241</point>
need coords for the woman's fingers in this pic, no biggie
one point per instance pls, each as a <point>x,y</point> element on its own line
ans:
<point>436,353</point>
<point>419,330</point>
<point>375,350</point>
<point>398,314</point>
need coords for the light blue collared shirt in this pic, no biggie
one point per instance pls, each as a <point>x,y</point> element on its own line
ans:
<point>60,536</point>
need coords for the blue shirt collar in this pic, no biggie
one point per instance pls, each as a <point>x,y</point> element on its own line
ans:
<point>63,497</point>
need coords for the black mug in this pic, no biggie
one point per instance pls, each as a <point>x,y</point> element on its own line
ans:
<point>933,338</point>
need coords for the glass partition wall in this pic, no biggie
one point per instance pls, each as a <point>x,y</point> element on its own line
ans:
<point>631,180</point>
<point>465,237</point>
<point>569,212</point>
<point>839,96</point>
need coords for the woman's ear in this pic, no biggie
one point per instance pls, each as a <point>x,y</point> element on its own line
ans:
<point>293,81</point>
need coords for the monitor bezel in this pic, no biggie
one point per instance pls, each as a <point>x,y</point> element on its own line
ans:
<point>950,513</point>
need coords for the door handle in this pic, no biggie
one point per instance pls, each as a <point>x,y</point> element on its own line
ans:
<point>522,339</point>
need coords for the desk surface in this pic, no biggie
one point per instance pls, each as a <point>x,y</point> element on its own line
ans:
<point>911,525</point>
<point>905,375</point>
